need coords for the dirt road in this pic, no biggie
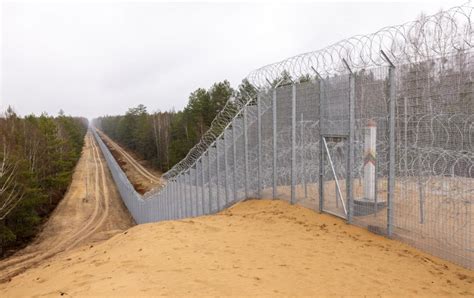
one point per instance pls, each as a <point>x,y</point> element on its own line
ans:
<point>143,178</point>
<point>91,211</point>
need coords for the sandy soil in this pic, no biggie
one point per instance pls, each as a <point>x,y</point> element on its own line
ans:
<point>91,211</point>
<point>137,170</point>
<point>447,225</point>
<point>254,248</point>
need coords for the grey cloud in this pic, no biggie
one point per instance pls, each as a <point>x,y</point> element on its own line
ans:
<point>94,59</point>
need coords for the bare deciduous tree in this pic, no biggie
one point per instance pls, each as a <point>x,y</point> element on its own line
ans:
<point>10,193</point>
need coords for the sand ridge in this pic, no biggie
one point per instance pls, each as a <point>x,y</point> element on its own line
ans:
<point>257,247</point>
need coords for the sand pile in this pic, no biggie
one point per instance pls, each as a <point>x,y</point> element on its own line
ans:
<point>254,248</point>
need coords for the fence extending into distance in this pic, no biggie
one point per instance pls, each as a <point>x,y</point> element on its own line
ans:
<point>376,129</point>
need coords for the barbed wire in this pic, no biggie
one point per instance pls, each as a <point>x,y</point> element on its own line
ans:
<point>428,37</point>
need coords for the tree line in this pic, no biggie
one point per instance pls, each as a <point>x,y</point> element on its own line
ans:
<point>164,138</point>
<point>37,158</point>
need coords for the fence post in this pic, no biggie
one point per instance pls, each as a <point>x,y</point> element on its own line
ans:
<point>246,156</point>
<point>391,169</point>
<point>178,197</point>
<point>184,195</point>
<point>190,193</point>
<point>173,201</point>
<point>162,204</point>
<point>160,210</point>
<point>293,144</point>
<point>259,132</point>
<point>164,201</point>
<point>187,194</point>
<point>202,183</point>
<point>177,200</point>
<point>170,200</point>
<point>167,201</point>
<point>226,171</point>
<point>209,177</point>
<point>303,166</point>
<point>321,149</point>
<point>350,162</point>
<point>274,110</point>
<point>174,208</point>
<point>217,175</point>
<point>235,160</point>
<point>196,191</point>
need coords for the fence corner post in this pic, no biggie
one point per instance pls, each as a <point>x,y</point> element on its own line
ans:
<point>391,141</point>
<point>274,110</point>
<point>350,162</point>
<point>246,154</point>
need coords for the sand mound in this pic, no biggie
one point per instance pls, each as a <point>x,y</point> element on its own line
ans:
<point>254,248</point>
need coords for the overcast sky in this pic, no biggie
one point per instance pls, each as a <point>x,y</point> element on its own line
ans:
<point>93,59</point>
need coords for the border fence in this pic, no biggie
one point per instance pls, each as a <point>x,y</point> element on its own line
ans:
<point>376,129</point>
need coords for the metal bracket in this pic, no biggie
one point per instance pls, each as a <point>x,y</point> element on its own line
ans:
<point>387,59</point>
<point>317,73</point>
<point>347,65</point>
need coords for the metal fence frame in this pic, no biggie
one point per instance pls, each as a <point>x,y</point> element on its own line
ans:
<point>214,177</point>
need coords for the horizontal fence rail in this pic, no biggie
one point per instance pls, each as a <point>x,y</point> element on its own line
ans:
<point>385,142</point>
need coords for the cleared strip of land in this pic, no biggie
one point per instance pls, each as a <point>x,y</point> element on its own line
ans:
<point>257,247</point>
<point>142,177</point>
<point>91,211</point>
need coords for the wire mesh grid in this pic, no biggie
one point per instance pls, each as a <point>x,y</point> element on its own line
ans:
<point>283,143</point>
<point>239,157</point>
<point>266,99</point>
<point>393,144</point>
<point>434,192</point>
<point>213,177</point>
<point>307,144</point>
<point>252,150</point>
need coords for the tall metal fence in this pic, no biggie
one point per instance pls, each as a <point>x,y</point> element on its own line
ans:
<point>379,132</point>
